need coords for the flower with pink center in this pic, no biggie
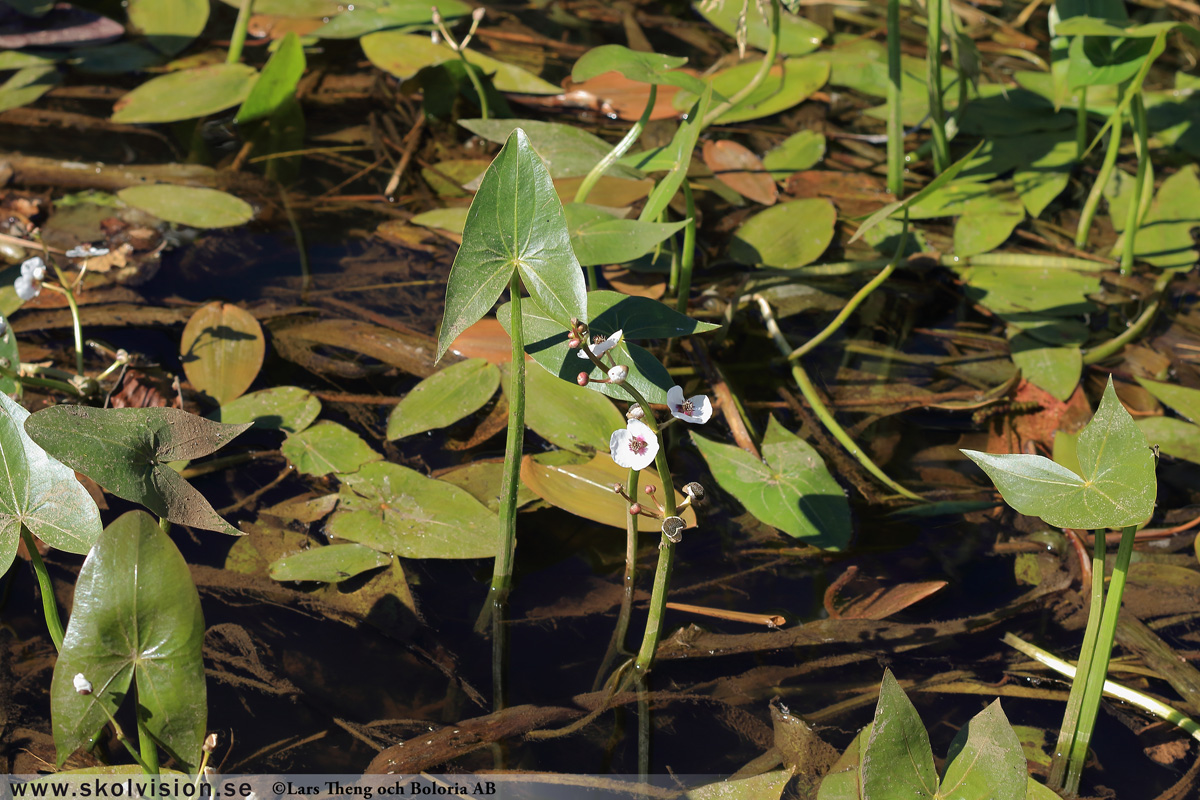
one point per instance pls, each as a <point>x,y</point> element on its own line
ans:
<point>635,447</point>
<point>696,410</point>
<point>599,348</point>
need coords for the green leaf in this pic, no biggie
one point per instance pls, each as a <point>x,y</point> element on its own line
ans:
<point>187,94</point>
<point>327,447</point>
<point>1030,295</point>
<point>1165,236</point>
<point>404,54</point>
<point>168,27</point>
<point>985,761</point>
<point>136,617</point>
<point>285,408</point>
<point>294,9</point>
<point>1115,488</point>
<point>1176,438</point>
<point>398,511</point>
<point>898,761</point>
<point>444,398</point>
<point>38,492</point>
<point>351,24</point>
<point>797,35</point>
<point>127,451</point>
<point>481,480</point>
<point>786,235</point>
<point>222,350</point>
<point>9,348</point>
<point>567,151</point>
<point>331,564</point>
<point>27,85</point>
<point>515,223</point>
<point>452,220</point>
<point>844,779</point>
<point>1055,369</point>
<point>798,152</point>
<point>568,415</point>
<point>653,68</point>
<point>1104,61</point>
<point>767,786</point>
<point>793,491</point>
<point>639,317</point>
<point>189,205</point>
<point>1184,400</point>
<point>277,82</point>
<point>679,155</point>
<point>785,86</point>
<point>600,238</point>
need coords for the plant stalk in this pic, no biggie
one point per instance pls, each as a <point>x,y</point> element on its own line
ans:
<point>1088,213</point>
<point>619,149</point>
<point>1137,112</point>
<point>238,40</point>
<point>46,588</point>
<point>763,69</point>
<point>617,645</point>
<point>895,126</point>
<point>687,259</point>
<point>475,83</point>
<point>1081,123</point>
<point>76,325</point>
<point>933,61</point>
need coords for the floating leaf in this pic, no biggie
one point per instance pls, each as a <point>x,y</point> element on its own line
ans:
<point>792,491</point>
<point>1025,295</point>
<point>294,8</point>
<point>568,415</point>
<point>599,238</point>
<point>797,35</point>
<point>785,86</point>
<point>404,54</point>
<point>1104,61</point>
<point>285,408</point>
<point>738,168</point>
<point>127,451</point>
<point>653,68</point>
<point>787,235</point>
<point>331,564</point>
<point>1115,488</point>
<point>168,27</point>
<point>444,398</point>
<point>327,447</point>
<point>309,509</point>
<point>222,350</point>
<point>361,19</point>
<point>516,223</point>
<point>451,220</point>
<point>481,480</point>
<point>985,761</point>
<point>136,617</point>
<point>189,205</point>
<point>586,490</point>
<point>1184,400</point>
<point>1176,438</point>
<point>798,152</point>
<point>567,151</point>
<point>1055,369</point>
<point>396,510</point>
<point>277,82</point>
<point>38,492</point>
<point>187,94</point>
<point>27,85</point>
<point>313,345</point>
<point>767,786</point>
<point>897,761</point>
<point>987,222</point>
<point>1164,238</point>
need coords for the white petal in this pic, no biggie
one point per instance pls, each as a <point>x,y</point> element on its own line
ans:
<point>674,396</point>
<point>701,409</point>
<point>620,445</point>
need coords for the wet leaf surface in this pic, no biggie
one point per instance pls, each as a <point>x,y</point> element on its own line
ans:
<point>222,350</point>
<point>285,408</point>
<point>788,235</point>
<point>327,447</point>
<point>332,564</point>
<point>444,398</point>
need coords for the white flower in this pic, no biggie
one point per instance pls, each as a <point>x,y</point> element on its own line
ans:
<point>601,347</point>
<point>618,374</point>
<point>696,410</point>
<point>82,684</point>
<point>34,269</point>
<point>87,250</point>
<point>635,447</point>
<point>26,288</point>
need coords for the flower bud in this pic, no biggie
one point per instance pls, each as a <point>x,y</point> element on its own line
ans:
<point>435,37</point>
<point>635,509</point>
<point>618,488</point>
<point>82,685</point>
<point>478,14</point>
<point>573,343</point>
<point>435,15</point>
<point>210,743</point>
<point>618,374</point>
<point>672,528</point>
<point>650,489</point>
<point>582,379</point>
<point>635,412</point>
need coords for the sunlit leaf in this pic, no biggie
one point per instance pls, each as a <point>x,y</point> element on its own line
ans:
<point>676,157</point>
<point>189,205</point>
<point>481,480</point>
<point>1184,400</point>
<point>285,408</point>
<point>767,786</point>
<point>1176,438</point>
<point>799,151</point>
<point>797,35</point>
<point>568,415</point>
<point>785,86</point>
<point>444,398</point>
<point>276,83</point>
<point>786,235</point>
<point>136,617</point>
<point>844,779</point>
<point>361,19</point>
<point>985,761</point>
<point>222,350</point>
<point>404,54</point>
<point>187,94</point>
<point>127,451</point>
<point>168,27</point>
<point>897,761</point>
<point>738,168</point>
<point>567,151</point>
<point>27,85</point>
<point>1116,487</point>
<point>293,8</point>
<point>1165,236</point>
<point>327,447</point>
<point>331,564</point>
<point>1055,369</point>
<point>654,68</point>
<point>600,238</point>
<point>793,491</point>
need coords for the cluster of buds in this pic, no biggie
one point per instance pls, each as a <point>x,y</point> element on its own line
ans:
<point>443,34</point>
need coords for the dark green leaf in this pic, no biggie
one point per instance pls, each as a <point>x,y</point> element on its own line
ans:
<point>844,779</point>
<point>136,616</point>
<point>444,398</point>
<point>331,564</point>
<point>568,415</point>
<point>126,450</point>
<point>600,238</point>
<point>898,761</point>
<point>327,447</point>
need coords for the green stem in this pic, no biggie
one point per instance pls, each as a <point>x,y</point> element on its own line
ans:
<point>44,383</point>
<point>238,40</point>
<point>617,645</point>
<point>1137,111</point>
<point>1069,731</point>
<point>1104,644</point>
<point>687,259</point>
<point>46,589</point>
<point>146,743</point>
<point>1081,123</point>
<point>1097,191</point>
<point>619,149</point>
<point>763,69</point>
<point>895,125</point>
<point>76,325</point>
<point>124,740</point>
<point>298,235</point>
<point>475,83</point>
<point>933,61</point>
<point>1139,326</point>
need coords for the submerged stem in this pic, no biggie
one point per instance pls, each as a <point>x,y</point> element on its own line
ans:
<point>933,60</point>
<point>45,588</point>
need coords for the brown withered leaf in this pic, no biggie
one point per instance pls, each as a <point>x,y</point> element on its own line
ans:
<point>611,94</point>
<point>334,346</point>
<point>739,169</point>
<point>854,193</point>
<point>140,389</point>
<point>638,284</point>
<point>856,596</point>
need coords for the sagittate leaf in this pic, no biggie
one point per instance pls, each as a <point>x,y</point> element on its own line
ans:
<point>792,491</point>
<point>38,492</point>
<point>985,761</point>
<point>222,350</point>
<point>515,223</point>
<point>653,68</point>
<point>327,447</point>
<point>399,511</point>
<point>285,408</point>
<point>127,451</point>
<point>136,617</point>
<point>332,564</point>
<point>444,398</point>
<point>187,94</point>
<point>898,761</point>
<point>189,205</point>
<point>600,238</point>
<point>1115,488</point>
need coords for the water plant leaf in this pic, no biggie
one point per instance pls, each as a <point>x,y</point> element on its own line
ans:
<point>27,85</point>
<point>787,235</point>
<point>798,152</point>
<point>567,151</point>
<point>222,350</point>
<point>285,408</point>
<point>294,9</point>
<point>1025,295</point>
<point>399,511</point>
<point>516,222</point>
<point>677,156</point>
<point>1115,488</point>
<point>38,492</point>
<point>481,480</point>
<point>653,68</point>
<point>194,206</point>
<point>1103,60</point>
<point>1184,400</point>
<point>740,169</point>
<point>136,617</point>
<point>168,27</point>
<point>276,83</point>
<point>351,24</point>
<point>1164,238</point>
<point>586,490</point>
<point>844,779</point>
<point>327,447</point>
<point>797,35</point>
<point>8,346</point>
<point>897,761</point>
<point>304,508</point>
<point>404,54</point>
<point>986,222</point>
<point>187,94</point>
<point>330,564</point>
<point>451,220</point>
<point>985,761</point>
<point>600,238</point>
<point>127,451</point>
<point>792,491</point>
<point>767,786</point>
<point>1055,369</point>
<point>313,345</point>
<point>786,85</point>
<point>1176,438</point>
<point>444,398</point>
<point>568,415</point>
